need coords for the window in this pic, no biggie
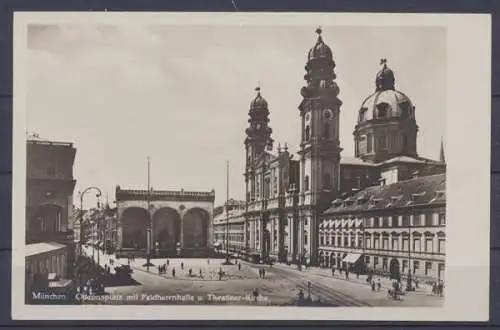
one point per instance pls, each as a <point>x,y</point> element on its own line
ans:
<point>327,239</point>
<point>375,222</point>
<point>405,244</point>
<point>360,242</point>
<point>405,109</point>
<point>346,241</point>
<point>405,266</point>
<point>395,243</point>
<point>362,114</point>
<point>416,245</point>
<point>339,241</point>
<point>395,221</point>
<point>428,219</point>
<point>306,222</point>
<point>416,265</point>
<point>406,220</point>
<point>441,271</point>
<point>384,263</point>
<point>376,242</point>
<point>382,109</point>
<point>385,243</point>
<point>385,221</point>
<point>362,144</point>
<point>307,133</point>
<point>367,260</point>
<point>369,143</point>
<point>305,239</point>
<point>428,245</point>
<point>375,261</point>
<point>368,243</point>
<point>428,268</point>
<point>306,183</point>
<point>442,219</point>
<point>322,240</point>
<point>417,219</point>
<point>441,246</point>
<point>382,142</point>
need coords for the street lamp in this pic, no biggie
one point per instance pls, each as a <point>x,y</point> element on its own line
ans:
<point>409,255</point>
<point>82,194</point>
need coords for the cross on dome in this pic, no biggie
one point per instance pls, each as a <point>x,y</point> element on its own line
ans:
<point>383,62</point>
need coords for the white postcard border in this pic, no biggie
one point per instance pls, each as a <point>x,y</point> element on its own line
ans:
<point>468,122</point>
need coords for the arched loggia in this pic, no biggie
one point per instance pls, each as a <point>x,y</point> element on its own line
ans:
<point>134,228</point>
<point>195,228</point>
<point>166,228</point>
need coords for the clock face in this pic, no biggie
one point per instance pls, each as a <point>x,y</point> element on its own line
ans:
<point>328,114</point>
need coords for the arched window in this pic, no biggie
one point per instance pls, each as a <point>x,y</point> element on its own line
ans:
<point>307,133</point>
<point>382,110</point>
<point>306,183</point>
<point>362,114</point>
<point>363,145</point>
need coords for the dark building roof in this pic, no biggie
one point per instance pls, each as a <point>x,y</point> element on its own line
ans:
<point>418,191</point>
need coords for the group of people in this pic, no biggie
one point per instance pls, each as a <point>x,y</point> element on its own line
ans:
<point>438,288</point>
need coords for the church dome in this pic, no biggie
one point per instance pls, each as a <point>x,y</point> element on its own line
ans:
<point>386,102</point>
<point>258,102</point>
<point>320,49</point>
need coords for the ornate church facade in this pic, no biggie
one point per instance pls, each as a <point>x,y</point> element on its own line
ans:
<point>287,195</point>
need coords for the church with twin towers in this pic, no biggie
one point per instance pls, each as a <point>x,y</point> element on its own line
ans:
<point>288,197</point>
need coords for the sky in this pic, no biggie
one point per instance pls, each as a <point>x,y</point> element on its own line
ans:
<point>181,94</point>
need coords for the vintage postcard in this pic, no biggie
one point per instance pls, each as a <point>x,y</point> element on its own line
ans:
<point>292,166</point>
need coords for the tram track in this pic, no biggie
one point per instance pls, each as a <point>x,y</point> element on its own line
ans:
<point>323,291</point>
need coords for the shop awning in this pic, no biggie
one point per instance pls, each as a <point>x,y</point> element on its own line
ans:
<point>351,257</point>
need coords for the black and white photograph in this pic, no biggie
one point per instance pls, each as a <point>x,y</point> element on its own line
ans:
<point>293,164</point>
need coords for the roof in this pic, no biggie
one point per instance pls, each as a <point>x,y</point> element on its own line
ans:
<point>43,247</point>
<point>413,160</point>
<point>354,161</point>
<point>418,191</point>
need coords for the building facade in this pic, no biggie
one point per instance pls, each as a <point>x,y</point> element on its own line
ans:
<point>229,223</point>
<point>49,208</point>
<point>164,223</point>
<point>394,230</point>
<point>289,196</point>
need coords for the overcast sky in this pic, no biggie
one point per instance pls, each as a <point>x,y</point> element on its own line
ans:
<point>181,94</point>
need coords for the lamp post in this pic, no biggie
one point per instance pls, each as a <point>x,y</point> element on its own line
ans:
<point>82,194</point>
<point>409,255</point>
<point>227,262</point>
<point>148,229</point>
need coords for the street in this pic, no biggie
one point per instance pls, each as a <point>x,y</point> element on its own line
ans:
<point>281,285</point>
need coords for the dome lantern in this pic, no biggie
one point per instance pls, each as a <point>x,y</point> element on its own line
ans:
<point>385,77</point>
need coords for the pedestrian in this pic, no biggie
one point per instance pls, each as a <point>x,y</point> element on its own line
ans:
<point>168,262</point>
<point>260,272</point>
<point>379,285</point>
<point>346,274</point>
<point>173,272</point>
<point>255,294</point>
<point>201,275</point>
<point>239,266</point>
<point>373,285</point>
<point>190,272</point>
<point>333,271</point>
<point>159,269</point>
<point>220,274</point>
<point>208,261</point>
<point>263,273</point>
<point>182,265</point>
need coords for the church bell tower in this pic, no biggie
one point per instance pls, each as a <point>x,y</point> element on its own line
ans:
<point>319,111</point>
